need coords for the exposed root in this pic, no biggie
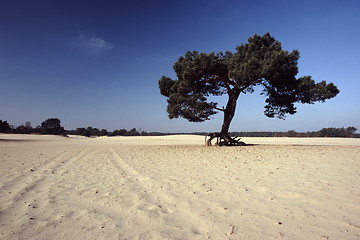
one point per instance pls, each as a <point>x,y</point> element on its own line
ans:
<point>222,140</point>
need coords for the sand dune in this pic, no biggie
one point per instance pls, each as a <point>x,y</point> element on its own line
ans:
<point>173,187</point>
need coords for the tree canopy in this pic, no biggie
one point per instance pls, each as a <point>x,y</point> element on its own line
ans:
<point>52,126</point>
<point>260,62</point>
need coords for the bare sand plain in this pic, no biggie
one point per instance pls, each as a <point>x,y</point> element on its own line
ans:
<point>173,187</point>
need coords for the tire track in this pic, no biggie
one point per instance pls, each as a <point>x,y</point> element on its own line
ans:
<point>14,180</point>
<point>30,204</point>
<point>82,197</point>
<point>16,189</point>
<point>168,211</point>
<point>146,199</point>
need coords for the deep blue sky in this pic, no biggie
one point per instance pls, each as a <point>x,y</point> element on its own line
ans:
<point>97,63</point>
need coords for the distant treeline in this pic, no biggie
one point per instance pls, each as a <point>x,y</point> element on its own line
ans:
<point>349,132</point>
<point>49,126</point>
<point>92,132</point>
<point>53,126</point>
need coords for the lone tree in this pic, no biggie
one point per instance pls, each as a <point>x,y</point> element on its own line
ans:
<point>260,62</point>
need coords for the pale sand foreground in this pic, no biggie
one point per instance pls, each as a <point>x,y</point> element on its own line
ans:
<point>173,187</point>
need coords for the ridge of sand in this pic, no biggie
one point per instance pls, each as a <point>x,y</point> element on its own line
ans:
<point>172,187</point>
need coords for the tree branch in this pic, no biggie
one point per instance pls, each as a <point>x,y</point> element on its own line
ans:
<point>219,109</point>
<point>245,87</point>
<point>231,81</point>
<point>227,83</point>
<point>227,86</point>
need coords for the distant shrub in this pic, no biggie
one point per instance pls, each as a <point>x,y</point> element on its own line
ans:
<point>4,126</point>
<point>52,126</point>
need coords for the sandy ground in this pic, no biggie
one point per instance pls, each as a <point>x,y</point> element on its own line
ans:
<point>173,187</point>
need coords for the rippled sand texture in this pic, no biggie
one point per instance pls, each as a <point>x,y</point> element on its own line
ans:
<point>173,187</point>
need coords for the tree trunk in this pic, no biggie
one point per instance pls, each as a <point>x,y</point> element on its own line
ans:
<point>229,113</point>
<point>223,136</point>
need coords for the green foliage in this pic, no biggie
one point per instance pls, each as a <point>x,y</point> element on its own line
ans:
<point>124,132</point>
<point>198,76</point>
<point>103,132</point>
<point>23,129</point>
<point>133,132</point>
<point>4,126</point>
<point>52,126</point>
<point>90,131</point>
<point>337,132</point>
<point>260,62</point>
<point>325,132</point>
<point>121,132</point>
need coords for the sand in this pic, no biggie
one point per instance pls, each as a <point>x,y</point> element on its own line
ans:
<point>173,187</point>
